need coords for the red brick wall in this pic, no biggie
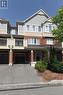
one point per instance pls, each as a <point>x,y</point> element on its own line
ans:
<point>42,41</point>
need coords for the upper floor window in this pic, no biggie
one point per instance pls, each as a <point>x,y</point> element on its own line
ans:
<point>47,27</point>
<point>3,41</point>
<point>50,27</point>
<point>28,27</point>
<point>33,27</point>
<point>33,41</point>
<point>18,42</point>
<point>39,28</point>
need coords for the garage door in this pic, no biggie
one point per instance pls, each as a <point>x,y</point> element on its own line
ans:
<point>4,58</point>
<point>19,59</point>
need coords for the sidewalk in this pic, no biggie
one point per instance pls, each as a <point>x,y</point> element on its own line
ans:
<point>7,87</point>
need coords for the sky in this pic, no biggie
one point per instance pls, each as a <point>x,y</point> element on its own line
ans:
<point>19,10</point>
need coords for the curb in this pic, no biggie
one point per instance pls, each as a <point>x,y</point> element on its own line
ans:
<point>6,87</point>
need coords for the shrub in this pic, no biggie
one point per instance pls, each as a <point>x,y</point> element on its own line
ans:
<point>41,66</point>
<point>45,56</point>
<point>56,66</point>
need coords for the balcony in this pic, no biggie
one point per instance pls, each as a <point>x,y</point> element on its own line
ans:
<point>47,34</point>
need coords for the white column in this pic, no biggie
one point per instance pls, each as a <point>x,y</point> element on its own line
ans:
<point>10,57</point>
<point>32,59</point>
<point>32,56</point>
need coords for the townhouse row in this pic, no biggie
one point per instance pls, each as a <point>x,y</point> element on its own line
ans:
<point>24,43</point>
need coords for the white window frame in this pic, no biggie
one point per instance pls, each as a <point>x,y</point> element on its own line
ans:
<point>33,41</point>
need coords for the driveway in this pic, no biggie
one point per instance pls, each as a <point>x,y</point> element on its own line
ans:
<point>18,73</point>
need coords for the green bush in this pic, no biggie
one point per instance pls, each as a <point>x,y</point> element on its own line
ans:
<point>41,66</point>
<point>45,56</point>
<point>56,66</point>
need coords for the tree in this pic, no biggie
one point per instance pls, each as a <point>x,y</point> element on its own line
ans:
<point>58,21</point>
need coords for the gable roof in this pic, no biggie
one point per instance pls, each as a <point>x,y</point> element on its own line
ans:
<point>40,12</point>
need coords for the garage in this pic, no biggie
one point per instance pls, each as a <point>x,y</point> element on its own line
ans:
<point>4,57</point>
<point>19,58</point>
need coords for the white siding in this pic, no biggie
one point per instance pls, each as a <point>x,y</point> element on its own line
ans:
<point>36,21</point>
<point>20,29</point>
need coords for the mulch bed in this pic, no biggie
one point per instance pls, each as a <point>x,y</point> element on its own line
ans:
<point>49,75</point>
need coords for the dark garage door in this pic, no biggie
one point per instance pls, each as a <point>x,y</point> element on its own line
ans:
<point>19,59</point>
<point>4,58</point>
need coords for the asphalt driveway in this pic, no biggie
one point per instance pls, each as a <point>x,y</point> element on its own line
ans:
<point>18,73</point>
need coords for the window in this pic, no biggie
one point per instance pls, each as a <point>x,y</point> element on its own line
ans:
<point>3,42</point>
<point>28,27</point>
<point>33,27</point>
<point>19,42</point>
<point>50,41</point>
<point>39,28</point>
<point>50,27</point>
<point>47,27</point>
<point>33,41</point>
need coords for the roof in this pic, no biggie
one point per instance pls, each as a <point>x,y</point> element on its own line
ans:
<point>40,12</point>
<point>4,20</point>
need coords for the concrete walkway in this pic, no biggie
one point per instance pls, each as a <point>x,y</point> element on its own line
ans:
<point>18,73</point>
